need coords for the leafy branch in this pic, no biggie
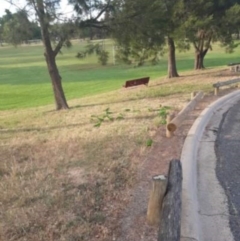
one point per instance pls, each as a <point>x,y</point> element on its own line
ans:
<point>97,49</point>
<point>107,116</point>
<point>162,113</point>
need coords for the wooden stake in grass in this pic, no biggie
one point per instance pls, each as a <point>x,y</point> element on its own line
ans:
<point>181,116</point>
<point>193,95</point>
<point>216,91</point>
<point>156,198</point>
<point>168,119</point>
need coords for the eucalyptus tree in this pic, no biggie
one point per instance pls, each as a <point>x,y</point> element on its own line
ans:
<point>207,22</point>
<point>90,13</point>
<point>56,33</point>
<point>47,14</point>
<point>4,19</point>
<point>143,28</point>
<point>17,28</point>
<point>133,27</point>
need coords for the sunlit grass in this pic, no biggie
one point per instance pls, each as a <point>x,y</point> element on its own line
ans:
<point>24,79</point>
<point>64,179</point>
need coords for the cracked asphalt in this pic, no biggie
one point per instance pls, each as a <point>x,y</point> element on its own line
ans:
<point>227,149</point>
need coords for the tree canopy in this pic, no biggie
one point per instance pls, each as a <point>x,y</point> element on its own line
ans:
<point>206,22</point>
<point>142,28</point>
<point>16,28</point>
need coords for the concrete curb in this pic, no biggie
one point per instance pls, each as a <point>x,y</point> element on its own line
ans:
<point>190,224</point>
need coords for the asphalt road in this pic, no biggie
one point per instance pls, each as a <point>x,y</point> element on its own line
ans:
<point>227,148</point>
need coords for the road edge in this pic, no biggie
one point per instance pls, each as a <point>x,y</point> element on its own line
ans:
<point>190,224</point>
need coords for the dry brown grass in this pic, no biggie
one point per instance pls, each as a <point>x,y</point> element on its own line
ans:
<point>61,178</point>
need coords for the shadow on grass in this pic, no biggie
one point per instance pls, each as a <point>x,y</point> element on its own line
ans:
<point>44,129</point>
<point>95,104</point>
<point>104,103</point>
<point>147,96</point>
<point>209,70</point>
<point>41,129</point>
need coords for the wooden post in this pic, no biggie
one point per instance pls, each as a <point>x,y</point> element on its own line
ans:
<point>216,90</point>
<point>193,95</point>
<point>156,198</point>
<point>172,126</point>
<point>170,220</point>
<point>168,133</point>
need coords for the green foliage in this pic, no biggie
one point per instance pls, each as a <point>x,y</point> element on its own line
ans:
<point>233,15</point>
<point>120,117</point>
<point>163,112</point>
<point>141,26</point>
<point>16,28</point>
<point>206,22</point>
<point>103,57</point>
<point>138,55</point>
<point>81,55</point>
<point>92,16</point>
<point>111,116</point>
<point>35,31</point>
<point>123,55</point>
<point>136,29</point>
<point>62,31</point>
<point>95,48</point>
<point>149,142</point>
<point>106,116</point>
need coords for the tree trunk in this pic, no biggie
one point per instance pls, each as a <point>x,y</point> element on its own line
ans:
<point>172,68</point>
<point>199,58</point>
<point>56,79</point>
<point>50,57</point>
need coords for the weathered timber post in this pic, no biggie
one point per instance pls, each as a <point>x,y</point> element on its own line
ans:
<point>168,119</point>
<point>224,83</point>
<point>170,219</point>
<point>177,121</point>
<point>193,94</point>
<point>216,90</point>
<point>156,198</point>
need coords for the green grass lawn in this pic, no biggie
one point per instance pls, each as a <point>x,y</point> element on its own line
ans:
<point>24,80</point>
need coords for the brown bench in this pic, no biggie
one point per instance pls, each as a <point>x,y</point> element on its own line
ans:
<point>134,82</point>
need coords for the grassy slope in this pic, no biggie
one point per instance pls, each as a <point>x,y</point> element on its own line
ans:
<point>24,80</point>
<point>61,178</point>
